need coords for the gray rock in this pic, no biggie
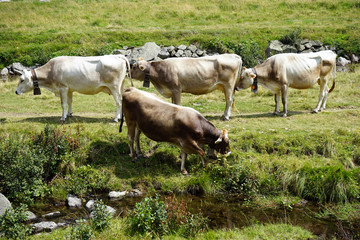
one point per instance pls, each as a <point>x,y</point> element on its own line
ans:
<point>164,53</point>
<point>31,216</point>
<point>342,62</point>
<point>4,72</point>
<point>316,43</point>
<point>148,52</point>
<point>179,53</point>
<point>44,226</point>
<point>200,52</point>
<point>16,68</point>
<point>170,48</point>
<point>90,205</point>
<point>181,47</point>
<point>354,58</point>
<point>275,47</point>
<point>134,193</point>
<point>73,201</point>
<point>122,52</point>
<point>114,194</point>
<point>51,215</point>
<point>4,204</point>
<point>188,53</point>
<point>289,49</point>
<point>192,48</point>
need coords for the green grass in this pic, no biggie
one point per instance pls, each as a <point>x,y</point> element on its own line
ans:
<point>33,32</point>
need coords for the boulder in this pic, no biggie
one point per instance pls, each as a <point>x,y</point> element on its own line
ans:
<point>192,48</point>
<point>73,201</point>
<point>134,193</point>
<point>114,194</point>
<point>164,53</point>
<point>148,52</point>
<point>342,62</point>
<point>4,204</point>
<point>44,226</point>
<point>274,47</point>
<point>31,216</point>
<point>181,47</point>
<point>90,205</point>
<point>51,215</point>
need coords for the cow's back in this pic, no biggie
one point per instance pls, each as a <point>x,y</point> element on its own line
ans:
<point>202,75</point>
<point>157,119</point>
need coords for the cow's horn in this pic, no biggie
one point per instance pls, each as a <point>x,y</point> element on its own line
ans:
<point>218,140</point>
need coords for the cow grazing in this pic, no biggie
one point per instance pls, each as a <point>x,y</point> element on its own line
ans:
<point>300,71</point>
<point>197,76</point>
<point>87,75</point>
<point>166,122</point>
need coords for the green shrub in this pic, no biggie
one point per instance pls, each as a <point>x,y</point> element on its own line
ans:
<point>234,178</point>
<point>292,37</point>
<point>159,218</point>
<point>21,171</point>
<point>101,218</point>
<point>54,145</point>
<point>86,179</point>
<point>12,223</point>
<point>81,231</point>
<point>149,216</point>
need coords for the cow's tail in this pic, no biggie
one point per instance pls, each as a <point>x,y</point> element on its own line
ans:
<point>121,121</point>
<point>333,85</point>
<point>128,68</point>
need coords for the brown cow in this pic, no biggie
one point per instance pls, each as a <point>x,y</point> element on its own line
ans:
<point>300,71</point>
<point>197,76</point>
<point>166,122</point>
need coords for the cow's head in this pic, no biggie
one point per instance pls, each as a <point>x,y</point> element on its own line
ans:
<point>138,69</point>
<point>246,79</point>
<point>222,144</point>
<point>26,83</point>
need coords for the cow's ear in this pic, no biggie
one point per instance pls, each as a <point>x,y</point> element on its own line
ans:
<point>243,68</point>
<point>140,58</point>
<point>142,67</point>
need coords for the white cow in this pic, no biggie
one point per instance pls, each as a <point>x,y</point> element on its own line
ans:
<point>300,71</point>
<point>87,75</point>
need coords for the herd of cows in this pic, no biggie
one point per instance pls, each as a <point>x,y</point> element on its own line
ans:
<point>166,122</point>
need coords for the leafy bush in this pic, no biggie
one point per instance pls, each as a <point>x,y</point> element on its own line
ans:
<point>159,218</point>
<point>100,217</point>
<point>81,231</point>
<point>21,171</point>
<point>86,179</point>
<point>234,178</point>
<point>54,145</point>
<point>149,216</point>
<point>12,223</point>
<point>291,37</point>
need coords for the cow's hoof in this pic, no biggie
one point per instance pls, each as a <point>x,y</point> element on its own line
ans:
<point>184,172</point>
<point>284,115</point>
<point>69,115</point>
<point>116,120</point>
<point>275,113</point>
<point>314,111</point>
<point>223,118</point>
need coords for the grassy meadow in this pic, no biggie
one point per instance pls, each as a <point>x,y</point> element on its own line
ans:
<point>33,32</point>
<point>275,161</point>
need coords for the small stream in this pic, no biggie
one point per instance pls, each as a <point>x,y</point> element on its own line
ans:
<point>223,211</point>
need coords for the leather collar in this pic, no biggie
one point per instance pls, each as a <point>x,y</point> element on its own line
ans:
<point>254,86</point>
<point>35,82</point>
<point>147,76</point>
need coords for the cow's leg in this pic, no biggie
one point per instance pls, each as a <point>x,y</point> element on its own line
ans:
<point>211,154</point>
<point>176,97</point>
<point>64,100</point>
<point>131,136</point>
<point>183,156</point>
<point>137,142</point>
<point>277,100</point>
<point>229,97</point>
<point>322,96</point>
<point>70,97</point>
<point>284,90</point>
<point>117,97</point>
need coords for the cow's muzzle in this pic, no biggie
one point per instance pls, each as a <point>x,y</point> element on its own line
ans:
<point>18,93</point>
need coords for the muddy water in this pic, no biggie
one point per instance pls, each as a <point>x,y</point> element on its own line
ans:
<point>223,212</point>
